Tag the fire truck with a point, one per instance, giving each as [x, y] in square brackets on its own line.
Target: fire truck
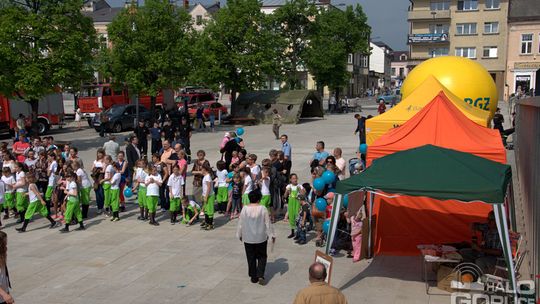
[50, 112]
[95, 97]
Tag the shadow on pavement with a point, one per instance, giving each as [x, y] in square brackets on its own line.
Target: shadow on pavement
[404, 268]
[280, 266]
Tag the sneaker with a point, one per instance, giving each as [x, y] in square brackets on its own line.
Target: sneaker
[163, 210]
[107, 214]
[155, 224]
[209, 227]
[262, 281]
[64, 230]
[254, 280]
[173, 222]
[80, 228]
[140, 218]
[20, 229]
[100, 211]
[301, 242]
[115, 219]
[53, 225]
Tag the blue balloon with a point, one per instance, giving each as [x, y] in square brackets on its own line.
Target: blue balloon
[329, 177]
[230, 175]
[238, 139]
[240, 131]
[319, 184]
[363, 148]
[320, 203]
[127, 192]
[326, 226]
[345, 200]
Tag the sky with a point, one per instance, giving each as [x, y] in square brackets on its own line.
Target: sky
[387, 18]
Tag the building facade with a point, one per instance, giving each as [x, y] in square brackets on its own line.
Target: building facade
[476, 29]
[523, 62]
[399, 68]
[380, 65]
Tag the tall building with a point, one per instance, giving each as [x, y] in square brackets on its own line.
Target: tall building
[476, 29]
[523, 63]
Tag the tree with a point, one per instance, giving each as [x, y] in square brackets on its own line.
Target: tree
[150, 48]
[336, 34]
[294, 24]
[45, 45]
[238, 48]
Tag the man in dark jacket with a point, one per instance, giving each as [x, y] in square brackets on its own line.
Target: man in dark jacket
[133, 154]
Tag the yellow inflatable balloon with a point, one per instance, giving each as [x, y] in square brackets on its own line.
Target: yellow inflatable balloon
[466, 78]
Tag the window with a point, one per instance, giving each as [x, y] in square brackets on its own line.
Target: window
[198, 19]
[403, 57]
[526, 43]
[401, 72]
[437, 52]
[393, 71]
[365, 60]
[466, 29]
[439, 28]
[493, 4]
[440, 5]
[467, 52]
[491, 27]
[490, 52]
[467, 5]
[350, 59]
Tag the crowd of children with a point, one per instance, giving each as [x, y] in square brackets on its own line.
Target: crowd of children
[57, 187]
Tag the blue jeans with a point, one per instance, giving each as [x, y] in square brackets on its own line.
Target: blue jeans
[100, 197]
[301, 233]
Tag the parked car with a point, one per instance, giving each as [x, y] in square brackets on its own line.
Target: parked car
[214, 107]
[121, 117]
[194, 98]
[390, 96]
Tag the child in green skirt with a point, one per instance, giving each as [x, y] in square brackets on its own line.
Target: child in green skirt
[115, 192]
[9, 182]
[21, 188]
[293, 204]
[52, 171]
[175, 192]
[106, 182]
[73, 207]
[221, 183]
[264, 185]
[153, 182]
[37, 205]
[208, 198]
[86, 187]
[190, 211]
[140, 187]
[248, 184]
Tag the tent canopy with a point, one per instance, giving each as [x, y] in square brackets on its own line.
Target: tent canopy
[442, 124]
[415, 102]
[434, 172]
[291, 105]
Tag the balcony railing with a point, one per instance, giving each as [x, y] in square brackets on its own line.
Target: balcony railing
[428, 38]
[428, 14]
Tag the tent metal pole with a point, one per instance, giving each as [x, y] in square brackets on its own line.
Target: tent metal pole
[504, 236]
[371, 199]
[333, 221]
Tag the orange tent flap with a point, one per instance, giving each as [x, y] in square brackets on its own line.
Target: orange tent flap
[404, 222]
[442, 124]
[414, 103]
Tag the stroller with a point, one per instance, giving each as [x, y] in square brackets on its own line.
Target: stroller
[356, 166]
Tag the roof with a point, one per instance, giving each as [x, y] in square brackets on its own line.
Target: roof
[397, 55]
[210, 9]
[106, 14]
[434, 172]
[524, 10]
[382, 45]
[276, 3]
[455, 132]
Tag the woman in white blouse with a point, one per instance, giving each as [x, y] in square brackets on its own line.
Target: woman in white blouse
[254, 229]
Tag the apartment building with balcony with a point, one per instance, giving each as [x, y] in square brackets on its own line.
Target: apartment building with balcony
[476, 29]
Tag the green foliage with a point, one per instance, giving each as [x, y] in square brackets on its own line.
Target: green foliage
[151, 47]
[336, 34]
[44, 44]
[293, 24]
[238, 48]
